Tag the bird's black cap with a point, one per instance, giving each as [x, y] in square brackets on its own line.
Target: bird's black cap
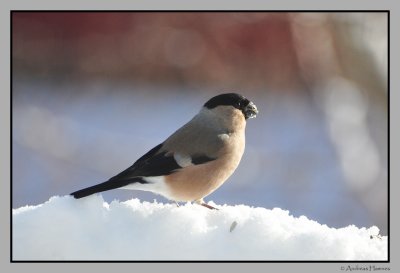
[238, 101]
[233, 99]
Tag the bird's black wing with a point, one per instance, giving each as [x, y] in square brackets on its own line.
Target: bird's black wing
[153, 163]
[156, 163]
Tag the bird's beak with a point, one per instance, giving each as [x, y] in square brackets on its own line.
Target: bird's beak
[250, 111]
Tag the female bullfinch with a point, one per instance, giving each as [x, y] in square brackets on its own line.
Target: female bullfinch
[195, 160]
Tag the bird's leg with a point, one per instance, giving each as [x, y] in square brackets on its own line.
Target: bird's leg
[208, 206]
[204, 204]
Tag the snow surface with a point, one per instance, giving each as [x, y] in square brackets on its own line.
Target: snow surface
[90, 229]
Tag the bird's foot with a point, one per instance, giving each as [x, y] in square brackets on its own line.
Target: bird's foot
[208, 206]
[200, 202]
[204, 204]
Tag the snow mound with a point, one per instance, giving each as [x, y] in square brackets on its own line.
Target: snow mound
[90, 229]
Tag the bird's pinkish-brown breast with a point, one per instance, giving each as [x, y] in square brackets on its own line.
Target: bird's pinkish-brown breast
[198, 181]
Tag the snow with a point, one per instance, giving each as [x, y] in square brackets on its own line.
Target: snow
[91, 229]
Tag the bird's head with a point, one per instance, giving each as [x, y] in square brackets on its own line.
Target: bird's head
[237, 101]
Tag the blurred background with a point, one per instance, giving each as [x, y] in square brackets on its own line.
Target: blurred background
[92, 92]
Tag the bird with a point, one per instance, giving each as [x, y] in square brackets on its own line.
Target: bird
[195, 160]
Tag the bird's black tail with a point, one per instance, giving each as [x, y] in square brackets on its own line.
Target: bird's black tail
[105, 186]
